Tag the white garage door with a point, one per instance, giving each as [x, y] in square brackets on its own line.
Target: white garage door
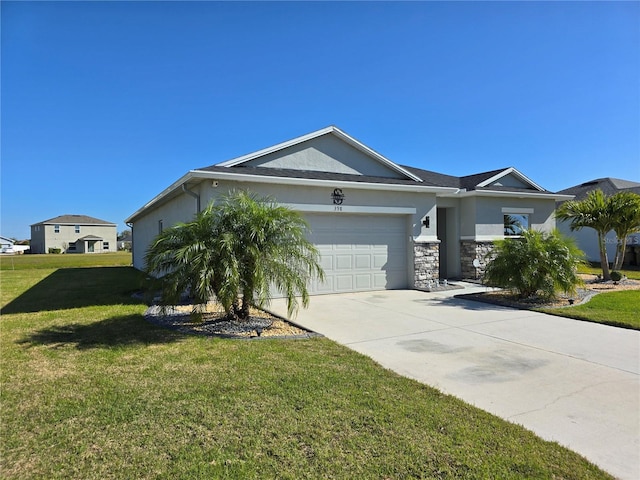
[360, 252]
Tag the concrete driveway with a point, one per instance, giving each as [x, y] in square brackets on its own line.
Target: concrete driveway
[573, 382]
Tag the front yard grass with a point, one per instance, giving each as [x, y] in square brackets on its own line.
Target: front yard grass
[614, 308]
[91, 390]
[594, 269]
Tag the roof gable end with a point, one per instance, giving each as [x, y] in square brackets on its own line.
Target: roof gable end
[510, 177]
[329, 150]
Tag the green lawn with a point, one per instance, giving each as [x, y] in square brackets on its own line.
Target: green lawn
[595, 269]
[22, 262]
[614, 308]
[91, 390]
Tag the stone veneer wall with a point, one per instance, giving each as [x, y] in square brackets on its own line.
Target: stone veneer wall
[426, 264]
[469, 251]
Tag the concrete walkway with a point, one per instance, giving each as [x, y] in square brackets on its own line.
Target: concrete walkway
[573, 382]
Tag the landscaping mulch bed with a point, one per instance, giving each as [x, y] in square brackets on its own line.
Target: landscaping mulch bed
[583, 294]
[260, 324]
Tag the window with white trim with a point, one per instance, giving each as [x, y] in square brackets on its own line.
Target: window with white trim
[77, 228]
[56, 229]
[105, 245]
[515, 224]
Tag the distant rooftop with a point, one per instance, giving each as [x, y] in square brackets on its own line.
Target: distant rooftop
[69, 219]
[608, 185]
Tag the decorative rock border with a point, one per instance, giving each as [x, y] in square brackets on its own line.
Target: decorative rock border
[256, 328]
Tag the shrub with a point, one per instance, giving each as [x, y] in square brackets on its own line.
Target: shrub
[538, 263]
[54, 250]
[616, 276]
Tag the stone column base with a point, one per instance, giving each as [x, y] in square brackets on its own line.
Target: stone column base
[426, 264]
[471, 250]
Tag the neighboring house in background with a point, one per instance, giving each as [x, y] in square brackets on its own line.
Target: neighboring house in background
[124, 241]
[6, 245]
[587, 238]
[74, 234]
[377, 224]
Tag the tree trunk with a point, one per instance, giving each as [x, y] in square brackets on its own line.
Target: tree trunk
[604, 261]
[621, 246]
[247, 302]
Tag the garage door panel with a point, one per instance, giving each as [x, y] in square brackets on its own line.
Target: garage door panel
[323, 287]
[363, 282]
[380, 281]
[343, 262]
[360, 252]
[326, 261]
[363, 261]
[379, 261]
[344, 283]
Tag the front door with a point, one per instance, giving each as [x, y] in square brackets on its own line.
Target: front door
[91, 246]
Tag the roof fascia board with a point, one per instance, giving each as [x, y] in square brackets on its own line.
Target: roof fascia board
[274, 148]
[242, 177]
[170, 189]
[318, 133]
[495, 193]
[86, 224]
[506, 172]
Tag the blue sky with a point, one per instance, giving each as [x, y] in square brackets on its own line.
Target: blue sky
[105, 104]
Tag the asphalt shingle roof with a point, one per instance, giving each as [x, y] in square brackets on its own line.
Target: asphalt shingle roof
[609, 186]
[429, 178]
[74, 220]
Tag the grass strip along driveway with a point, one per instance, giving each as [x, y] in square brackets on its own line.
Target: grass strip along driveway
[91, 390]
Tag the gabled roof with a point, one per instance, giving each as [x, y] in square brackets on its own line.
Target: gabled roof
[478, 181]
[250, 168]
[330, 130]
[74, 220]
[90, 237]
[6, 240]
[608, 185]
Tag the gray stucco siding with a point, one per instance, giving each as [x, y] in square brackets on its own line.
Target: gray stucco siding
[305, 198]
[145, 229]
[489, 219]
[325, 154]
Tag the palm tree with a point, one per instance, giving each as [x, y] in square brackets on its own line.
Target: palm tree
[240, 245]
[625, 207]
[592, 212]
[538, 263]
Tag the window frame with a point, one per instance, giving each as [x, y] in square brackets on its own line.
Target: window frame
[518, 226]
[515, 212]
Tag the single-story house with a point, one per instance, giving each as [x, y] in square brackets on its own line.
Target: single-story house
[74, 234]
[124, 241]
[378, 225]
[587, 238]
[6, 245]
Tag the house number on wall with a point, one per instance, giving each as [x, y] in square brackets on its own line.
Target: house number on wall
[338, 198]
